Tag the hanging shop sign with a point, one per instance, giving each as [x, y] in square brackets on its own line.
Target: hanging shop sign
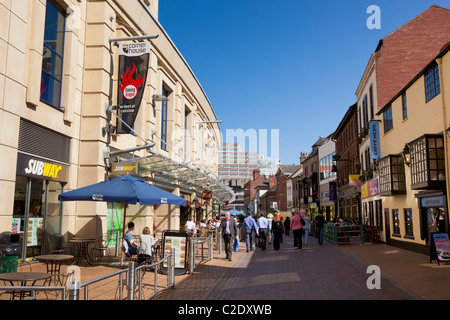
[36, 167]
[353, 180]
[206, 195]
[133, 67]
[374, 131]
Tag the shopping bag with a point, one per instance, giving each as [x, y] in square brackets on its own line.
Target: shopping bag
[235, 245]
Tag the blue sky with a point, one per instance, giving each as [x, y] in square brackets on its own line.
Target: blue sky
[291, 65]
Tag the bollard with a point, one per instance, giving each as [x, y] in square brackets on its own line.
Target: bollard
[131, 280]
[74, 290]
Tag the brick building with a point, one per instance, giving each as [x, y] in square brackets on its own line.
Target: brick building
[347, 163]
[397, 60]
[284, 171]
[250, 192]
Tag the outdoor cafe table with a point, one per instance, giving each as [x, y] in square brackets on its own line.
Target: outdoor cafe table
[53, 262]
[82, 250]
[23, 278]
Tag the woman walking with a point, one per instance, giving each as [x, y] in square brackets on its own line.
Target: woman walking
[277, 229]
[297, 230]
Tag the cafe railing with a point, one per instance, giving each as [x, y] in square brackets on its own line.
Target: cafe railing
[134, 280]
[339, 233]
[198, 253]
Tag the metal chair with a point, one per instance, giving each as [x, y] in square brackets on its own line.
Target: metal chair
[56, 245]
[99, 250]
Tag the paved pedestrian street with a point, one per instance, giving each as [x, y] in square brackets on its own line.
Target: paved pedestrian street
[315, 273]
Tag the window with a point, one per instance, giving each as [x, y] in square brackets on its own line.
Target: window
[391, 175]
[408, 223]
[396, 222]
[365, 115]
[388, 121]
[52, 57]
[432, 84]
[404, 107]
[427, 162]
[164, 107]
[367, 156]
[371, 101]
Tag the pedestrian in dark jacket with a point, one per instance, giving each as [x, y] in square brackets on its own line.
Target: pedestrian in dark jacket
[277, 230]
[287, 226]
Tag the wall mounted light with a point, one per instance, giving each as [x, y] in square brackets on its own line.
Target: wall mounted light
[406, 155]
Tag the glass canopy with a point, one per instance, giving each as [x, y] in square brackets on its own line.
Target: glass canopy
[186, 176]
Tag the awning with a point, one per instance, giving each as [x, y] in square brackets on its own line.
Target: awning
[172, 172]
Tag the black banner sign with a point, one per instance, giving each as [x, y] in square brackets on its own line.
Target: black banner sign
[133, 67]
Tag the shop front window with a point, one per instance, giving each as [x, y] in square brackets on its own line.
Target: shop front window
[436, 221]
[396, 222]
[409, 232]
[36, 214]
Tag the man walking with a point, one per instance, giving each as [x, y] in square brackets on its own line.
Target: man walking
[228, 229]
[263, 225]
[320, 221]
[250, 228]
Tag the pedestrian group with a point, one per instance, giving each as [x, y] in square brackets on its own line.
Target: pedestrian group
[264, 231]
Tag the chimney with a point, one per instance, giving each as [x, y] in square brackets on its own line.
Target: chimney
[271, 181]
[255, 174]
[303, 156]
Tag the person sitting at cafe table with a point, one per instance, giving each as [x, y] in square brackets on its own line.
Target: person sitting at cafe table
[128, 238]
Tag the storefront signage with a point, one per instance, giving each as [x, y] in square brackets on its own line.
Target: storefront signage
[432, 202]
[123, 168]
[42, 169]
[353, 180]
[133, 67]
[369, 189]
[374, 139]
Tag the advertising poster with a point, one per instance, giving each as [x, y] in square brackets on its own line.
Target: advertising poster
[35, 226]
[133, 67]
[442, 245]
[16, 225]
[113, 223]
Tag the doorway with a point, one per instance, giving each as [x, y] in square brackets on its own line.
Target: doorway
[36, 214]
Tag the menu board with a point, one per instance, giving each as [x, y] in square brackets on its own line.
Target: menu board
[442, 246]
[35, 226]
[178, 242]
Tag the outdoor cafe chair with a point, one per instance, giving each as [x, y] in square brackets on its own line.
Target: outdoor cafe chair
[100, 249]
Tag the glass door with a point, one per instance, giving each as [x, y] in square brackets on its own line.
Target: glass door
[37, 212]
[436, 221]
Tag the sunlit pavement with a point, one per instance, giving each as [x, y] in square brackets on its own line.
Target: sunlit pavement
[315, 273]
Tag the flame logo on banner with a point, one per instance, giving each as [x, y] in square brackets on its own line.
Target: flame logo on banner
[129, 86]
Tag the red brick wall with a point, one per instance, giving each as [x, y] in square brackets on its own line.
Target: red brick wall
[407, 50]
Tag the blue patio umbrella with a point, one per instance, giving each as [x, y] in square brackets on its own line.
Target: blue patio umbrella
[234, 212]
[125, 189]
